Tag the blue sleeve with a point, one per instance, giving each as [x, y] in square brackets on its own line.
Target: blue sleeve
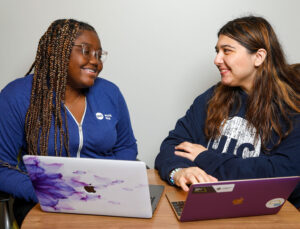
[189, 128]
[11, 140]
[125, 147]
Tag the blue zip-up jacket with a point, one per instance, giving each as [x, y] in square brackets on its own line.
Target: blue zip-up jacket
[104, 132]
[235, 154]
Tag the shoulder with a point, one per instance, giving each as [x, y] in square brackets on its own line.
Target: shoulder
[18, 89]
[296, 121]
[203, 98]
[105, 86]
[199, 106]
[15, 100]
[105, 92]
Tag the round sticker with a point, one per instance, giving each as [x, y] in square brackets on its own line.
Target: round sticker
[274, 203]
[99, 116]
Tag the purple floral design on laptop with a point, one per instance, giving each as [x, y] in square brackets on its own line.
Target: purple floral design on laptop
[53, 189]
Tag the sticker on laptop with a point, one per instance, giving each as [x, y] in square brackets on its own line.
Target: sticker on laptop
[274, 203]
[208, 189]
[214, 188]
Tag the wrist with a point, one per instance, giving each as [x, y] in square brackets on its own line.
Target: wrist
[172, 174]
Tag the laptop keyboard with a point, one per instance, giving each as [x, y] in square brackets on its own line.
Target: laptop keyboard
[178, 206]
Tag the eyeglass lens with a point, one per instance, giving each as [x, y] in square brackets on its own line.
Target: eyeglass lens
[98, 54]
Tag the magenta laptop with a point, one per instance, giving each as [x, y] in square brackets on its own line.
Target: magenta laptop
[234, 198]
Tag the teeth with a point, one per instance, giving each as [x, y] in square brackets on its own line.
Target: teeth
[90, 70]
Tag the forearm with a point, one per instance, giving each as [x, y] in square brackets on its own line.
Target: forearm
[16, 184]
[166, 161]
[226, 166]
[126, 152]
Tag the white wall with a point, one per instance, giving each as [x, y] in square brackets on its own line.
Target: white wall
[160, 51]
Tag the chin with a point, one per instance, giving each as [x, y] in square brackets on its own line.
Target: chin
[90, 82]
[226, 81]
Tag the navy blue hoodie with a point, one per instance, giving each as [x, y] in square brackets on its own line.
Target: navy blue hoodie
[235, 154]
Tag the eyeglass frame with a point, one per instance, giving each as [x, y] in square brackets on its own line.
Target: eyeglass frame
[93, 52]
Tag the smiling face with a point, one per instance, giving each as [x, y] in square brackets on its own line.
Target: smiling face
[236, 65]
[83, 70]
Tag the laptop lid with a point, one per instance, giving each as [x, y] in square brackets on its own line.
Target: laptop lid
[91, 186]
[233, 198]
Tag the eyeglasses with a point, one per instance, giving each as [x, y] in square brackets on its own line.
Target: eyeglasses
[87, 51]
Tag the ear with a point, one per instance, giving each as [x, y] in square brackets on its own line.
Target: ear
[260, 57]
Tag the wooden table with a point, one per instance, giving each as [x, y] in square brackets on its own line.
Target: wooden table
[288, 217]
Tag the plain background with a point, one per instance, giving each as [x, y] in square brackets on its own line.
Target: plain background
[161, 52]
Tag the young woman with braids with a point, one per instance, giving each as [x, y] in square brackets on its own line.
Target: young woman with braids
[62, 109]
[246, 126]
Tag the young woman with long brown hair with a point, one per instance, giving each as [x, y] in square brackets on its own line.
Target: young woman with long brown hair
[246, 126]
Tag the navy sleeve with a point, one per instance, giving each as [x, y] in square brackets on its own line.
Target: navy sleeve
[283, 160]
[189, 128]
[11, 140]
[125, 147]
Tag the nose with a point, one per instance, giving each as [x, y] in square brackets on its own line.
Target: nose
[218, 59]
[93, 59]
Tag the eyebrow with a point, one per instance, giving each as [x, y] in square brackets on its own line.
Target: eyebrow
[88, 44]
[225, 46]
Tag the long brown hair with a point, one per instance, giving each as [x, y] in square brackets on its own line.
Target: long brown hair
[48, 86]
[275, 93]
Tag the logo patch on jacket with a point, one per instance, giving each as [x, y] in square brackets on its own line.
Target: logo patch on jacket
[100, 116]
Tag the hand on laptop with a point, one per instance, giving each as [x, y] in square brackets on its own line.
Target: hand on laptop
[192, 175]
[189, 150]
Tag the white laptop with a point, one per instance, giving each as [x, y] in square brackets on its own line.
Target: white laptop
[92, 186]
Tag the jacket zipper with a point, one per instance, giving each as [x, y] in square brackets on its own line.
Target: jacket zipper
[80, 132]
